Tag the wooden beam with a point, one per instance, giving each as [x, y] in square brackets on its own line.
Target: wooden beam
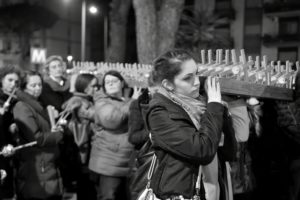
[241, 88]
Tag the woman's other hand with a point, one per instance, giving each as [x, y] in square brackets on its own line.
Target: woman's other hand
[213, 89]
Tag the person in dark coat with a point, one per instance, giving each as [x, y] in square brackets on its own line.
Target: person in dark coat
[185, 131]
[55, 86]
[56, 91]
[37, 173]
[138, 135]
[9, 80]
[289, 122]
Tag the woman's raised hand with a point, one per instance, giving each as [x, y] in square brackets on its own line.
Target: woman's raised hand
[136, 92]
[213, 89]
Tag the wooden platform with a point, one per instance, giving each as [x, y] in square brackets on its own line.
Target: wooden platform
[241, 88]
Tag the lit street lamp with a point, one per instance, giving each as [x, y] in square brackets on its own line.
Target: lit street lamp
[83, 29]
[93, 10]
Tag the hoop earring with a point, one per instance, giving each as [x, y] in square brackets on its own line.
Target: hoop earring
[170, 90]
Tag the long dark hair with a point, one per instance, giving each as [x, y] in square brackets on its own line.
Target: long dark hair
[8, 69]
[82, 81]
[168, 65]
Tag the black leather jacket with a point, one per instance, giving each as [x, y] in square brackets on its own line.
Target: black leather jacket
[180, 148]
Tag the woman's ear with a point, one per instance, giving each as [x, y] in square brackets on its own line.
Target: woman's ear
[167, 85]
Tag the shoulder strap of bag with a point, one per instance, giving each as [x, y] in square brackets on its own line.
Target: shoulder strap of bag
[151, 170]
[198, 183]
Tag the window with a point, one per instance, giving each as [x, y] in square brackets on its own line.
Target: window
[290, 54]
[288, 26]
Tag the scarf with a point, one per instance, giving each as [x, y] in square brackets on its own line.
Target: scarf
[195, 108]
[33, 103]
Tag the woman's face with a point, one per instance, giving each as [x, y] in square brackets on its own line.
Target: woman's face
[113, 85]
[9, 82]
[34, 86]
[92, 87]
[56, 69]
[187, 82]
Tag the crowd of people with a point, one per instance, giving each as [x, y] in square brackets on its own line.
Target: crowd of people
[204, 144]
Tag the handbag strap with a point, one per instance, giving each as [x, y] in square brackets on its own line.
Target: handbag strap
[197, 195]
[152, 166]
[198, 183]
[151, 170]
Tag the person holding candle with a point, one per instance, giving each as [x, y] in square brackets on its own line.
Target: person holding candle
[56, 91]
[37, 173]
[9, 81]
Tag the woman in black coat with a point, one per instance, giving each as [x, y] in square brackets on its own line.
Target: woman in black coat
[185, 129]
[9, 77]
[56, 88]
[56, 91]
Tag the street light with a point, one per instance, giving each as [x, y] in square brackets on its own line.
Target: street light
[69, 58]
[93, 10]
[83, 29]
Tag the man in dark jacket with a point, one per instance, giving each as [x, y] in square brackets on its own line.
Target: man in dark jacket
[289, 121]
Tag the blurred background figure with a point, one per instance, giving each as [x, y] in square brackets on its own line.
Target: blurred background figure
[138, 135]
[289, 121]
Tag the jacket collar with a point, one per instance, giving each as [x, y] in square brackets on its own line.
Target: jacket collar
[33, 103]
[161, 100]
[83, 95]
[55, 86]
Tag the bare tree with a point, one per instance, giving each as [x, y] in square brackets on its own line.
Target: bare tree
[199, 28]
[156, 26]
[118, 20]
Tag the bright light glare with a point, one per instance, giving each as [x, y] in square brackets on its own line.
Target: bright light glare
[93, 9]
[69, 58]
